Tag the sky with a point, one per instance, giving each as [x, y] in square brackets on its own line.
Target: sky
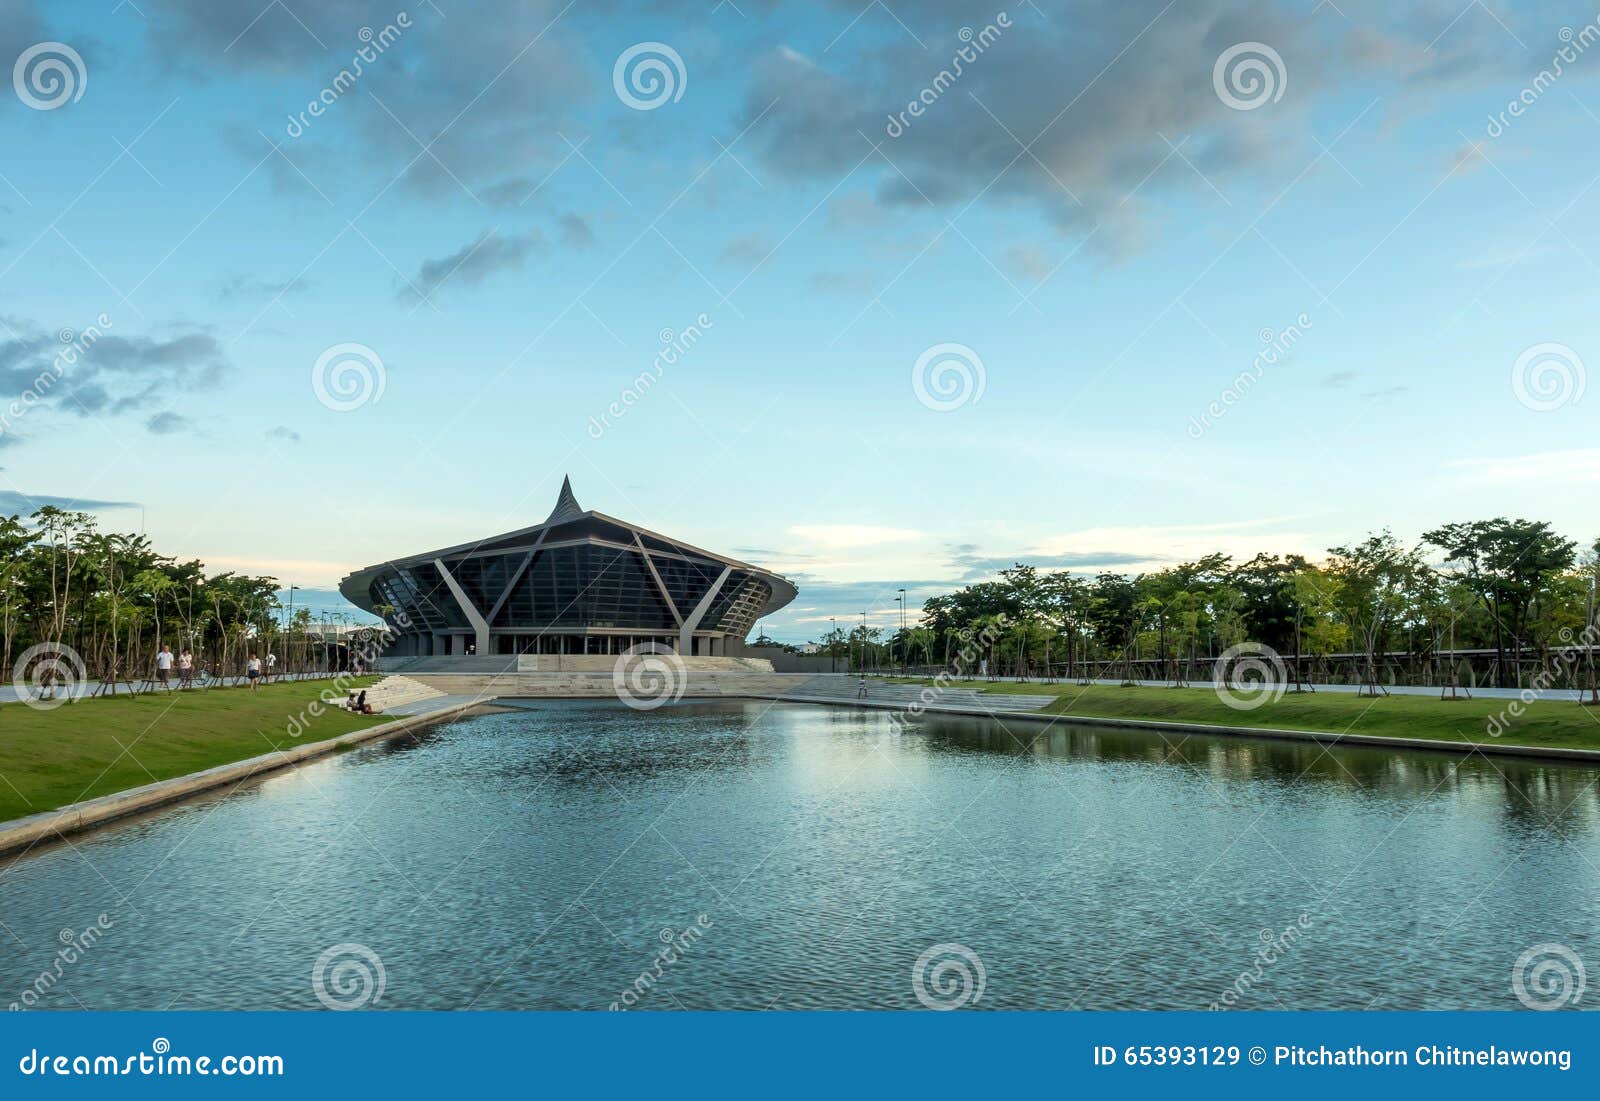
[1130, 283]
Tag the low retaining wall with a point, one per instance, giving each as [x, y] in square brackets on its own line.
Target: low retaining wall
[52, 824]
[1582, 756]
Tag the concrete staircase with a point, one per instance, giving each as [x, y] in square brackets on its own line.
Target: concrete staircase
[697, 684]
[395, 691]
[700, 683]
[490, 663]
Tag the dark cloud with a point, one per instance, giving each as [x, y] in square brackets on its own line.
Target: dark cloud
[15, 503]
[284, 432]
[168, 423]
[1098, 94]
[94, 373]
[488, 93]
[474, 262]
[1340, 379]
[576, 231]
[851, 284]
[238, 287]
[745, 251]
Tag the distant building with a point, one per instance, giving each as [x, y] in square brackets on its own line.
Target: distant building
[581, 582]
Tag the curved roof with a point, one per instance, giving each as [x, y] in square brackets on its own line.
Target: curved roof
[355, 586]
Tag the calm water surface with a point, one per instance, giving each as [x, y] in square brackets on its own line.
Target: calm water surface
[532, 859]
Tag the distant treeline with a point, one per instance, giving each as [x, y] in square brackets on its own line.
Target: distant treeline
[114, 601]
[1513, 587]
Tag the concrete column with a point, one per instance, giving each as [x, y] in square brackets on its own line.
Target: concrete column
[686, 635]
[480, 626]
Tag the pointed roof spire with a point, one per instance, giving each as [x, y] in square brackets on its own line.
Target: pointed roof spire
[567, 507]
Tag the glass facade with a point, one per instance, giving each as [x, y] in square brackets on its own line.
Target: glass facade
[579, 583]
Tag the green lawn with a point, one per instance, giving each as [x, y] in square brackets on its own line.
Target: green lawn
[1559, 724]
[49, 759]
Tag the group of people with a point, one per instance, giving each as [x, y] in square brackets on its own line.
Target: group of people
[166, 661]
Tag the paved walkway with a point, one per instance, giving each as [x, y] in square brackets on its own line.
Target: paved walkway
[1486, 693]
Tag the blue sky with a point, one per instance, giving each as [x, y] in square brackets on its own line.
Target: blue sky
[1080, 209]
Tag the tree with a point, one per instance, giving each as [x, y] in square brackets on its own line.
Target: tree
[1376, 577]
[1508, 564]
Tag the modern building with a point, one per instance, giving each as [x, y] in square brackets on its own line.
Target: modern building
[581, 582]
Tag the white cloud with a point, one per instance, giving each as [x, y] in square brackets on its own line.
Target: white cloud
[1548, 467]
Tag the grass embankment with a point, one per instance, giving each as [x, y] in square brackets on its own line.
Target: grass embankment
[1557, 724]
[92, 747]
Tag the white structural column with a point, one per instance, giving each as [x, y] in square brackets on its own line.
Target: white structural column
[479, 625]
[686, 635]
[661, 586]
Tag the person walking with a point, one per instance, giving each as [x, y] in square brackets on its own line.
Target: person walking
[252, 670]
[185, 668]
[861, 692]
[164, 667]
[272, 663]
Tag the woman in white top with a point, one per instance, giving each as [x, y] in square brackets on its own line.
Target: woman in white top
[252, 669]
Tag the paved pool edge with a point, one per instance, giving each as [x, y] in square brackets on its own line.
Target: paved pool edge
[52, 825]
[1582, 756]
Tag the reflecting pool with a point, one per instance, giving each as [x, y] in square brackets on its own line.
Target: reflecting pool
[744, 855]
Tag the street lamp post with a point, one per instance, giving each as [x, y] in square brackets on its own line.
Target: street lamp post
[288, 657]
[833, 644]
[863, 642]
[904, 655]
